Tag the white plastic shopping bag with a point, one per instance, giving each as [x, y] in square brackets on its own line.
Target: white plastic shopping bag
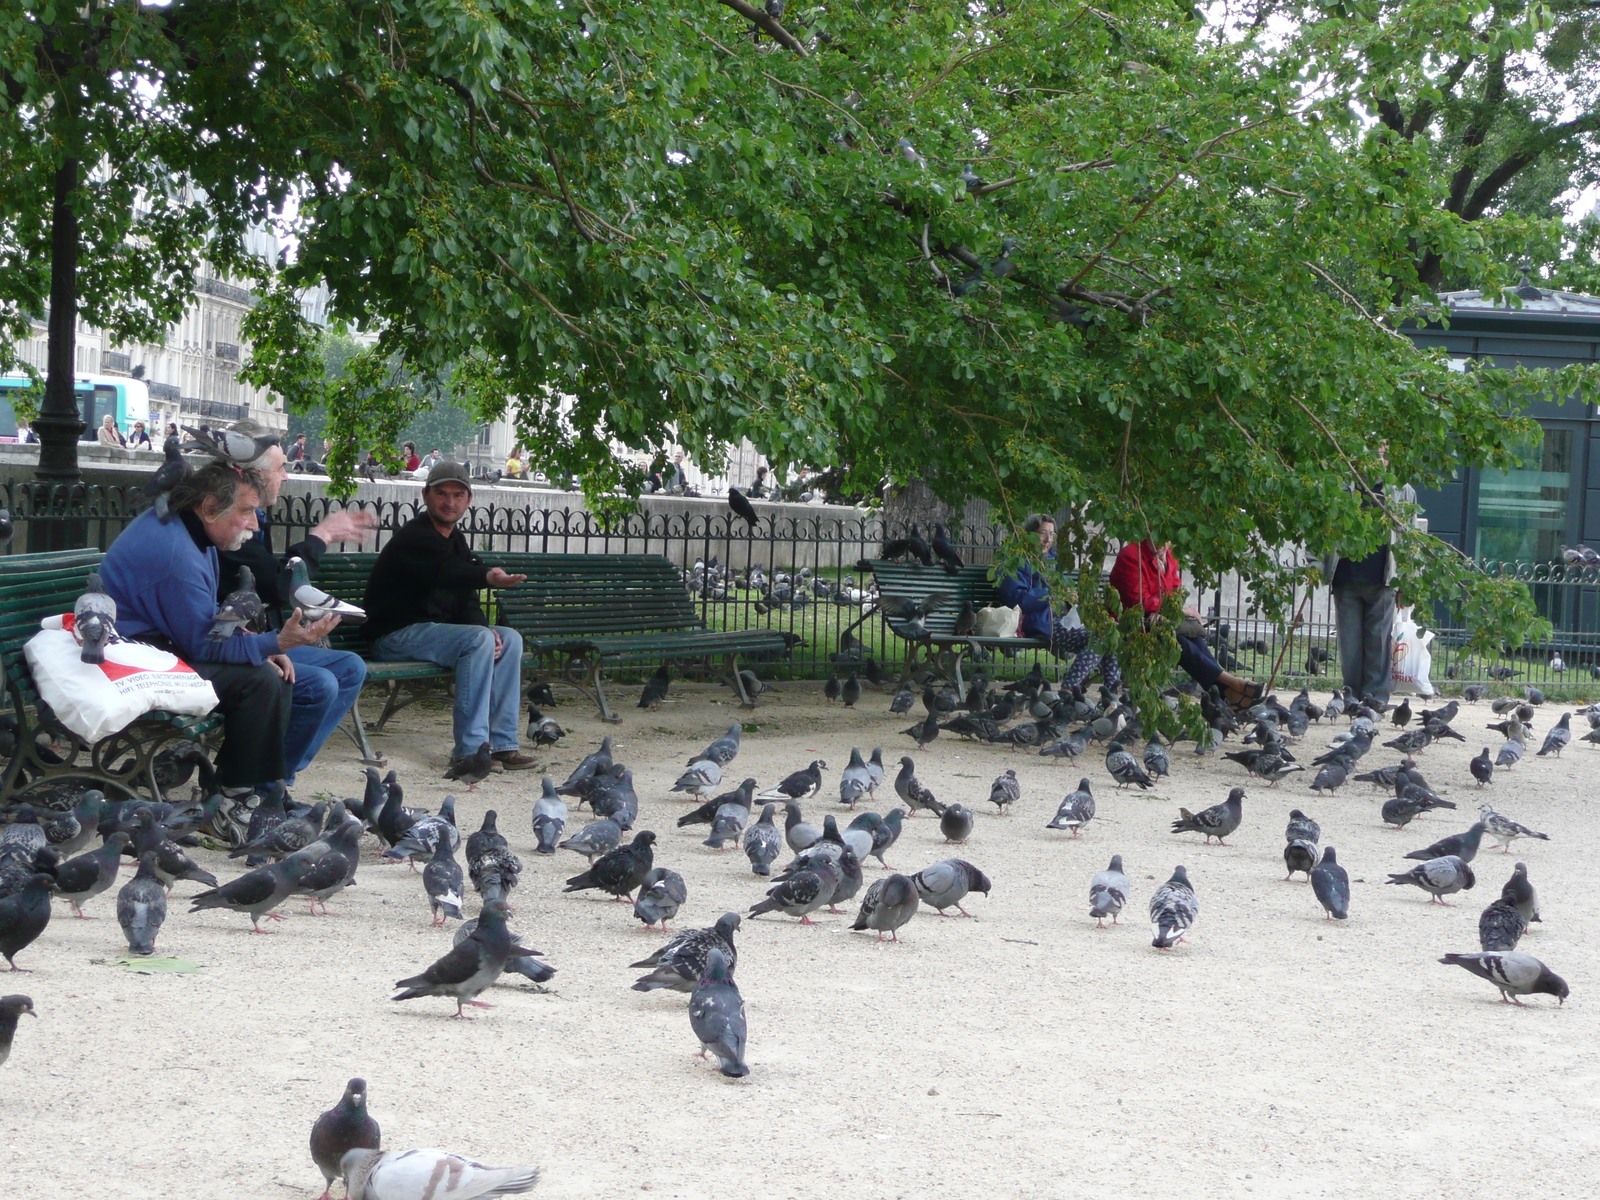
[998, 621]
[95, 700]
[1412, 660]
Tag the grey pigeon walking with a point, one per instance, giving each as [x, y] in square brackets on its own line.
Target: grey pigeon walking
[947, 883]
[470, 967]
[797, 831]
[1300, 855]
[1218, 821]
[1173, 910]
[1125, 769]
[81, 879]
[1501, 926]
[142, 906]
[24, 916]
[1330, 883]
[1520, 891]
[1513, 973]
[910, 789]
[716, 1014]
[550, 818]
[661, 893]
[595, 839]
[1482, 768]
[1005, 791]
[1462, 845]
[855, 781]
[1558, 738]
[724, 749]
[762, 842]
[1302, 828]
[681, 963]
[1108, 893]
[472, 769]
[888, 905]
[1439, 877]
[956, 824]
[1076, 810]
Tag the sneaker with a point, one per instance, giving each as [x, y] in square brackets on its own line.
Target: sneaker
[513, 760]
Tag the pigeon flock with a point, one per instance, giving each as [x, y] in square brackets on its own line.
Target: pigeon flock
[815, 841]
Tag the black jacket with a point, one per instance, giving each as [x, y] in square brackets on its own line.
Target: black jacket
[423, 576]
[271, 572]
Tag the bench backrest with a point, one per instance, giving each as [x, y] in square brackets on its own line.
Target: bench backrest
[910, 580]
[595, 594]
[564, 594]
[34, 586]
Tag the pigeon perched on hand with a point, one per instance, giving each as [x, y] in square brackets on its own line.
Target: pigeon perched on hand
[345, 1127]
[314, 603]
[1108, 892]
[1173, 910]
[1218, 821]
[1513, 973]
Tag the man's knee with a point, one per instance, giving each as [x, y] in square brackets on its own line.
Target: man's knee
[315, 688]
[511, 640]
[351, 671]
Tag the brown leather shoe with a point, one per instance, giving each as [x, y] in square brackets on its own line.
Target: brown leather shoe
[513, 760]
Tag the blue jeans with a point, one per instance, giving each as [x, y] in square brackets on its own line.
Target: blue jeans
[488, 691]
[1195, 657]
[326, 684]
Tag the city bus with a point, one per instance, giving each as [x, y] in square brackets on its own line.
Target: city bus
[127, 400]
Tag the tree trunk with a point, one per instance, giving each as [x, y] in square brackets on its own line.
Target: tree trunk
[60, 421]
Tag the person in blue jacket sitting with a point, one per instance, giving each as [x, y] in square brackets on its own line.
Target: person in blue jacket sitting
[1028, 591]
[163, 576]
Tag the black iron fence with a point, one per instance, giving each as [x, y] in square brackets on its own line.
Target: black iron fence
[826, 546]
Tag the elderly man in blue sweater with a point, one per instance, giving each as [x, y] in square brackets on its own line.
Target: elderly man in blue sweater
[163, 576]
[1029, 591]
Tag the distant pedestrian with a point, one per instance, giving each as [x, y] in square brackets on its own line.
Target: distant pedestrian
[1364, 601]
[138, 439]
[108, 434]
[409, 453]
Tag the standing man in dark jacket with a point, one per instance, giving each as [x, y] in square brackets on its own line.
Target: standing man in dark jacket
[422, 604]
[326, 682]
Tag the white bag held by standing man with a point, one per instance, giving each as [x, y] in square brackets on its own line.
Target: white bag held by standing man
[1411, 658]
[95, 700]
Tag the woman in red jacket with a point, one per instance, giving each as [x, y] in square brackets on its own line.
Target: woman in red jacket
[1144, 575]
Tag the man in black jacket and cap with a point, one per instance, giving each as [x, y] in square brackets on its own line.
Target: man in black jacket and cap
[422, 604]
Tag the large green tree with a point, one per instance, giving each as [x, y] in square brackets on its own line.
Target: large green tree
[1045, 254]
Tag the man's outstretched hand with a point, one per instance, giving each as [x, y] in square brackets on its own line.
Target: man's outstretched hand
[498, 578]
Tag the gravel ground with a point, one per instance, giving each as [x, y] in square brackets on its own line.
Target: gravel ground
[1020, 1053]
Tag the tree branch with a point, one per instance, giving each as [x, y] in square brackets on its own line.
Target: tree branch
[1359, 307]
[1483, 195]
[778, 33]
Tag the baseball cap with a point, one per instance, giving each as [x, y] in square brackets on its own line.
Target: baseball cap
[446, 471]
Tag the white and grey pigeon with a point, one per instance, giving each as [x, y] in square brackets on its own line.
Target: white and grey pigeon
[1155, 759]
[1302, 828]
[428, 1175]
[1510, 754]
[875, 769]
[314, 603]
[855, 781]
[1173, 910]
[549, 817]
[1513, 972]
[1504, 830]
[1076, 810]
[1108, 892]
[229, 445]
[94, 621]
[701, 779]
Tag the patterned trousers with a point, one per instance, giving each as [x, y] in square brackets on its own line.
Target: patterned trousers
[1065, 642]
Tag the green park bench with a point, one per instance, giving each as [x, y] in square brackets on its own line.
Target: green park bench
[593, 610]
[908, 580]
[46, 753]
